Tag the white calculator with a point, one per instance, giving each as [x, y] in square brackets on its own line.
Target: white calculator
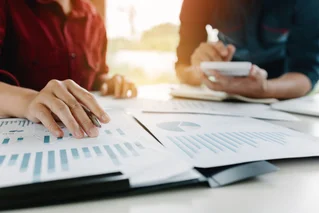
[236, 69]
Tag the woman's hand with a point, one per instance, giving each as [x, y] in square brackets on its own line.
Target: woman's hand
[119, 86]
[254, 86]
[62, 100]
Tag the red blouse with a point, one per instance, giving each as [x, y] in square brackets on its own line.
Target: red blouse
[38, 42]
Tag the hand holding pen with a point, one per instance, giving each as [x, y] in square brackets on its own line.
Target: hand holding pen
[92, 117]
[65, 100]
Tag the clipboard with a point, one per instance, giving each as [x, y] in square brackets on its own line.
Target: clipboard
[117, 184]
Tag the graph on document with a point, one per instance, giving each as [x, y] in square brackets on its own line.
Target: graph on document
[58, 161]
[210, 141]
[18, 130]
[218, 143]
[30, 153]
[215, 143]
[14, 130]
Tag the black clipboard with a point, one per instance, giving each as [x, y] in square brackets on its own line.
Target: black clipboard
[117, 184]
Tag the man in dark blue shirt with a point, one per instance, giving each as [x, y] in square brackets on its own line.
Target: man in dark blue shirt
[281, 37]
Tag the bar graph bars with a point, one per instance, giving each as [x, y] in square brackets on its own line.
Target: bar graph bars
[118, 131]
[53, 161]
[131, 148]
[86, 152]
[139, 145]
[119, 148]
[232, 142]
[37, 166]
[6, 141]
[108, 132]
[97, 151]
[25, 162]
[22, 123]
[13, 131]
[64, 160]
[112, 155]
[75, 153]
[46, 139]
[13, 160]
[2, 158]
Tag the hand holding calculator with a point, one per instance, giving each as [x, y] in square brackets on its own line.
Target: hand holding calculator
[235, 69]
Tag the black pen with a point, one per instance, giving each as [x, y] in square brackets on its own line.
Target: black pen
[92, 117]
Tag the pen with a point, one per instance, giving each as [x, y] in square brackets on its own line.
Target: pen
[92, 117]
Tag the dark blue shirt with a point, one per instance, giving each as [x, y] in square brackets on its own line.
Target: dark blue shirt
[278, 35]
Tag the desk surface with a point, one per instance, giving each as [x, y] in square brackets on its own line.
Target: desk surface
[295, 188]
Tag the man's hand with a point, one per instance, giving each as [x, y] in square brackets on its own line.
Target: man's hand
[216, 51]
[212, 52]
[254, 86]
[62, 100]
[119, 86]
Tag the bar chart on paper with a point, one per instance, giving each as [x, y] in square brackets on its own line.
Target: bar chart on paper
[30, 152]
[122, 146]
[47, 138]
[216, 143]
[210, 141]
[14, 130]
[14, 123]
[43, 134]
[56, 162]
[18, 130]
[118, 131]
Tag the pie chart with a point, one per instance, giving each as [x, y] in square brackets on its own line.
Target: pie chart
[178, 126]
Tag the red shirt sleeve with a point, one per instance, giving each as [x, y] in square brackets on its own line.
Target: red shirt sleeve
[8, 78]
[5, 76]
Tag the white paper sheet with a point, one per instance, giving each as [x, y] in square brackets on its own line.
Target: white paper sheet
[210, 141]
[204, 93]
[198, 107]
[29, 153]
[308, 105]
[217, 108]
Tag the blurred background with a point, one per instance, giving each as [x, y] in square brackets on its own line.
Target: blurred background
[143, 36]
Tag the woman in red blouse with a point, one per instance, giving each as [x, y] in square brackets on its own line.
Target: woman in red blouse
[42, 40]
